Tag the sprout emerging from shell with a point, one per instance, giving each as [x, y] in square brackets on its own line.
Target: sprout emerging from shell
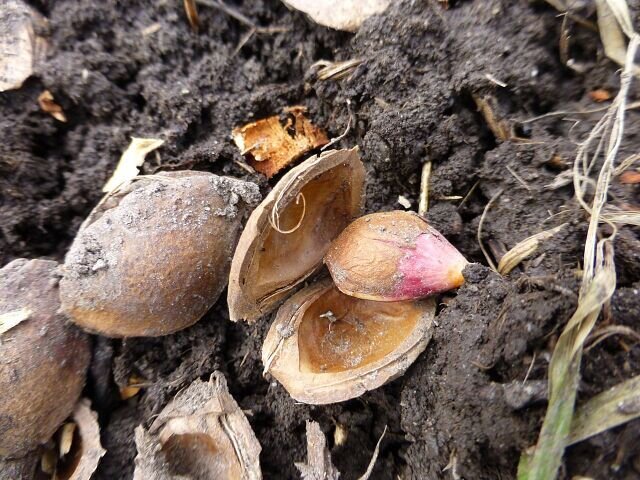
[327, 347]
[202, 433]
[154, 257]
[287, 235]
[43, 359]
[392, 256]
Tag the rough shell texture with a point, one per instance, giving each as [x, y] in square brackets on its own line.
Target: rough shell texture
[43, 360]
[340, 14]
[21, 48]
[324, 194]
[158, 258]
[391, 256]
[202, 433]
[327, 347]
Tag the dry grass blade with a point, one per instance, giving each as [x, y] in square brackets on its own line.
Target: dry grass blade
[423, 204]
[336, 70]
[11, 319]
[524, 249]
[611, 34]
[602, 334]
[480, 224]
[622, 217]
[618, 405]
[598, 285]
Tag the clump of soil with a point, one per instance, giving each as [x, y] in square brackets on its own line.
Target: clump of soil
[410, 100]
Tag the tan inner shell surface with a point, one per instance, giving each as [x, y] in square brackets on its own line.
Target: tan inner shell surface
[197, 455]
[288, 257]
[339, 332]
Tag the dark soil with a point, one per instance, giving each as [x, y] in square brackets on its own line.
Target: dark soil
[412, 100]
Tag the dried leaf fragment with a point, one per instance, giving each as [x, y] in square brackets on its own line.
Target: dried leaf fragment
[20, 46]
[201, 433]
[271, 145]
[48, 105]
[345, 15]
[130, 161]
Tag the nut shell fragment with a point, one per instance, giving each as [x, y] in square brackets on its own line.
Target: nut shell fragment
[43, 359]
[327, 347]
[153, 258]
[271, 146]
[21, 47]
[288, 233]
[202, 433]
[84, 451]
[391, 256]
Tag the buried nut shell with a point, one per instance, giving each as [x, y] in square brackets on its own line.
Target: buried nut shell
[43, 359]
[153, 258]
[201, 434]
[287, 235]
[391, 256]
[326, 347]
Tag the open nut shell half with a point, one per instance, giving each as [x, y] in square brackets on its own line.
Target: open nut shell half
[327, 347]
[287, 235]
[202, 433]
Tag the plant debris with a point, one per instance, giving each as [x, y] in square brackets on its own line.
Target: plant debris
[48, 105]
[524, 249]
[271, 145]
[192, 14]
[130, 161]
[618, 405]
[345, 15]
[202, 433]
[21, 48]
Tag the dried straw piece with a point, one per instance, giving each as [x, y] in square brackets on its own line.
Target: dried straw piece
[130, 161]
[524, 249]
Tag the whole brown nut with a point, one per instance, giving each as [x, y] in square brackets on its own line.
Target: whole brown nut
[43, 358]
[153, 258]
